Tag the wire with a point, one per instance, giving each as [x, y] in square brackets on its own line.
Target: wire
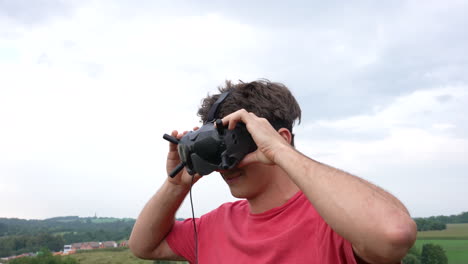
[194, 225]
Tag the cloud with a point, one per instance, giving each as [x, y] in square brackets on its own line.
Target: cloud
[84, 109]
[422, 144]
[88, 89]
[31, 13]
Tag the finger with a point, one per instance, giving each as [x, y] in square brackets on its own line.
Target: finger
[232, 119]
[172, 146]
[180, 135]
[195, 128]
[235, 118]
[248, 159]
[196, 177]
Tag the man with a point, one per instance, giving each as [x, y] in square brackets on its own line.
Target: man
[296, 210]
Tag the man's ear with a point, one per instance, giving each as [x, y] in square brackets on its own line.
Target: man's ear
[286, 134]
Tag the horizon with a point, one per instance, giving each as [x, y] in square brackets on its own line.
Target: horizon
[111, 217]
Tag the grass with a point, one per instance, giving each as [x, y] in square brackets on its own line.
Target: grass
[454, 240]
[453, 231]
[108, 257]
[456, 250]
[111, 256]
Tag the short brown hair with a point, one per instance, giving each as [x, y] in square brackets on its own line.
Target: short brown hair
[266, 99]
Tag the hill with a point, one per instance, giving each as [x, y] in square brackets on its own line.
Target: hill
[70, 224]
[20, 236]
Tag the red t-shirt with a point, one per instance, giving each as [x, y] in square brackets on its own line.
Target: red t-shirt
[291, 233]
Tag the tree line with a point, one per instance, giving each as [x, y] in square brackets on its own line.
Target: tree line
[16, 245]
[451, 219]
[426, 224]
[19, 236]
[15, 226]
[440, 222]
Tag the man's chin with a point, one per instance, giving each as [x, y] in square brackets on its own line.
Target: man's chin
[237, 195]
[240, 194]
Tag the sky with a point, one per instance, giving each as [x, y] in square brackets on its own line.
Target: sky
[88, 88]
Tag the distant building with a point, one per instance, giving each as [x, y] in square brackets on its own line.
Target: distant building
[85, 246]
[76, 246]
[67, 248]
[108, 244]
[90, 245]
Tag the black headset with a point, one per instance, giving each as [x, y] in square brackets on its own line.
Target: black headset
[211, 147]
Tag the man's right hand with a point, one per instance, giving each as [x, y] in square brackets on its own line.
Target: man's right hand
[183, 178]
[155, 221]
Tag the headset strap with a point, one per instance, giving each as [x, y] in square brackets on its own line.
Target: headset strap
[214, 108]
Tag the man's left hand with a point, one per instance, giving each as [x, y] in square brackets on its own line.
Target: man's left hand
[269, 141]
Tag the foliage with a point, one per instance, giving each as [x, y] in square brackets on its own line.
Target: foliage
[15, 245]
[19, 236]
[68, 224]
[411, 259]
[413, 256]
[429, 224]
[415, 251]
[439, 222]
[44, 257]
[452, 219]
[455, 249]
[433, 254]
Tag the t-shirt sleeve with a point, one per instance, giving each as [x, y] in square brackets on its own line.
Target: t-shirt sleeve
[335, 248]
[181, 238]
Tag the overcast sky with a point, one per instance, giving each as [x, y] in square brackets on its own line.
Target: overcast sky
[88, 88]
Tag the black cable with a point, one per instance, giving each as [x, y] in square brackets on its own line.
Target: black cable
[194, 225]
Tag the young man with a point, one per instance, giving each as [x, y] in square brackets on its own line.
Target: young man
[296, 210]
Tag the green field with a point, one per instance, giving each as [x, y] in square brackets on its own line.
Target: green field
[117, 256]
[453, 231]
[108, 257]
[456, 250]
[454, 240]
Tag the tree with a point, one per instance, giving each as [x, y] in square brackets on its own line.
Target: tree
[3, 229]
[19, 236]
[425, 224]
[411, 259]
[433, 254]
[413, 256]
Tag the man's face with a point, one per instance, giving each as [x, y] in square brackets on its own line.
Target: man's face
[249, 181]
